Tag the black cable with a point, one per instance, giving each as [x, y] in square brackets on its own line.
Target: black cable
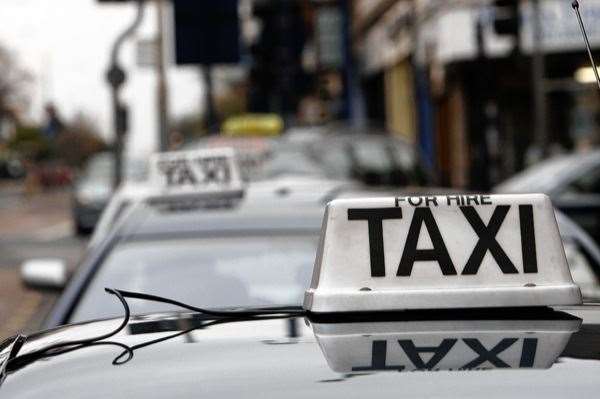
[265, 311]
[75, 344]
[133, 348]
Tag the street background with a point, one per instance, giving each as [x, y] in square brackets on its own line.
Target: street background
[32, 226]
[478, 90]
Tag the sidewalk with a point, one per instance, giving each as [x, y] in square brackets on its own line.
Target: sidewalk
[22, 216]
[37, 225]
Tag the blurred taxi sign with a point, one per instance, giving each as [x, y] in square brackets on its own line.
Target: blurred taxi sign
[251, 152]
[458, 345]
[434, 252]
[212, 172]
[253, 125]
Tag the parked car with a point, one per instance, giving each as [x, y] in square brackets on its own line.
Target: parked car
[94, 188]
[573, 183]
[374, 159]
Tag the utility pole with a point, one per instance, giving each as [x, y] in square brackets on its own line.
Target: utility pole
[538, 72]
[161, 90]
[211, 115]
[116, 77]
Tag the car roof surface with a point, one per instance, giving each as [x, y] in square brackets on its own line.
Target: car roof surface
[259, 359]
[288, 203]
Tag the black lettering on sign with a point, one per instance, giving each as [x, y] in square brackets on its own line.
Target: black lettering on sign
[528, 352]
[177, 171]
[450, 198]
[415, 201]
[412, 254]
[413, 352]
[461, 200]
[432, 200]
[215, 170]
[528, 247]
[487, 240]
[488, 355]
[375, 218]
[378, 359]
[472, 198]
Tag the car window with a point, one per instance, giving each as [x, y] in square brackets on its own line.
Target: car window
[291, 160]
[100, 167]
[206, 272]
[378, 160]
[372, 155]
[588, 183]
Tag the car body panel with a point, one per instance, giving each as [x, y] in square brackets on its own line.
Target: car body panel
[260, 358]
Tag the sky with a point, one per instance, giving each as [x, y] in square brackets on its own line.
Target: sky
[65, 45]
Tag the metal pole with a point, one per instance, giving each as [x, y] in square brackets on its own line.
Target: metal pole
[211, 115]
[116, 78]
[575, 6]
[163, 121]
[538, 72]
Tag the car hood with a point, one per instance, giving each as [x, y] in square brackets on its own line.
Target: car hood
[291, 358]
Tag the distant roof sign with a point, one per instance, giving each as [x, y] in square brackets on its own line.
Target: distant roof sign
[211, 172]
[436, 252]
[248, 125]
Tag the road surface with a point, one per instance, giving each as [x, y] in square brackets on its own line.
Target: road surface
[31, 226]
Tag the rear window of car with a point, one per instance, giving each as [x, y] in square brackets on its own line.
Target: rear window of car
[207, 272]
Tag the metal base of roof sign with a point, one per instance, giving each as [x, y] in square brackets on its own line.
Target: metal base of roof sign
[368, 301]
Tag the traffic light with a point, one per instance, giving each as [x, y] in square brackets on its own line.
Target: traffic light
[506, 17]
[206, 32]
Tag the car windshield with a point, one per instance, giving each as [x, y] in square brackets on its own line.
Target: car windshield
[207, 272]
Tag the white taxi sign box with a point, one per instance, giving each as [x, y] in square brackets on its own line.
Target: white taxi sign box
[457, 345]
[198, 172]
[440, 252]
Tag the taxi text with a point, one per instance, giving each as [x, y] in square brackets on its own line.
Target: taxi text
[423, 218]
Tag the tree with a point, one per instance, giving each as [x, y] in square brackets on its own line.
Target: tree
[13, 86]
[79, 140]
[29, 143]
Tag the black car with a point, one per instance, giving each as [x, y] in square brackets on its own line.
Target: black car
[543, 353]
[508, 324]
[253, 251]
[94, 187]
[226, 242]
[339, 153]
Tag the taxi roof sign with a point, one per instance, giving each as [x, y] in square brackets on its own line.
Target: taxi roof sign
[210, 172]
[440, 252]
